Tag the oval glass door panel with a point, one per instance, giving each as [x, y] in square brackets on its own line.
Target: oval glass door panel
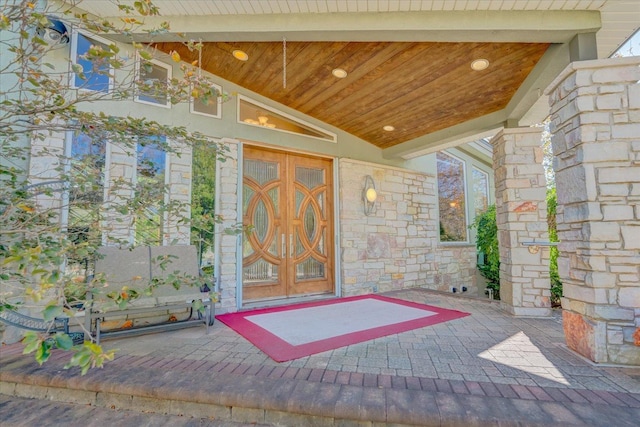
[262, 257]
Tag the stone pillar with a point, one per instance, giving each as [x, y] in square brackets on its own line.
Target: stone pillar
[595, 112]
[226, 244]
[177, 231]
[521, 213]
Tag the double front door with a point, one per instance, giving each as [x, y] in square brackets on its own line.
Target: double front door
[288, 206]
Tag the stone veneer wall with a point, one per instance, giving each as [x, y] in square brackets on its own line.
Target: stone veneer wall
[226, 244]
[396, 247]
[176, 231]
[521, 216]
[595, 111]
[456, 267]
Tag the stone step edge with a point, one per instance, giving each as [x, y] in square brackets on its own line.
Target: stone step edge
[299, 403]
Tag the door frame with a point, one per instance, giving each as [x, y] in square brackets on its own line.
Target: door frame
[336, 220]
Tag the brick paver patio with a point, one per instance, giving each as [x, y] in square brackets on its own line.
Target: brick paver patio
[488, 355]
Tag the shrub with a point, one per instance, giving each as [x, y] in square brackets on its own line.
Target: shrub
[556, 284]
[487, 244]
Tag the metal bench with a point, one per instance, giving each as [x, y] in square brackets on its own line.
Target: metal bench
[95, 319]
[22, 321]
[167, 309]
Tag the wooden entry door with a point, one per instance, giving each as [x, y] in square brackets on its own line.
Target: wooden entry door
[288, 202]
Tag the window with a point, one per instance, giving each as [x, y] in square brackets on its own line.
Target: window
[212, 107]
[86, 193]
[480, 190]
[150, 190]
[152, 79]
[451, 197]
[88, 52]
[253, 113]
[203, 187]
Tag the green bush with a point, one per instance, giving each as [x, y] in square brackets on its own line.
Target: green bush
[556, 284]
[487, 244]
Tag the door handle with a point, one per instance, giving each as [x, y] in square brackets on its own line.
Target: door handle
[290, 245]
[284, 246]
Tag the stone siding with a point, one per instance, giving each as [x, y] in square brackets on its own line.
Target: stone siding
[177, 231]
[396, 247]
[595, 111]
[456, 268]
[227, 244]
[521, 214]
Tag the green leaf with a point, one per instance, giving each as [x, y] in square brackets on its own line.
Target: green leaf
[63, 341]
[198, 306]
[77, 68]
[141, 7]
[31, 342]
[51, 312]
[145, 55]
[43, 352]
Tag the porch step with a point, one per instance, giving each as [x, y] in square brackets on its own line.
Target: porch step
[23, 412]
[222, 397]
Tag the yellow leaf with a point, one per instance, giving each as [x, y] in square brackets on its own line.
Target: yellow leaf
[194, 63]
[31, 5]
[130, 20]
[26, 207]
[195, 93]
[175, 56]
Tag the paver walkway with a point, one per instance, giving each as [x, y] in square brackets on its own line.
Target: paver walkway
[484, 368]
[21, 412]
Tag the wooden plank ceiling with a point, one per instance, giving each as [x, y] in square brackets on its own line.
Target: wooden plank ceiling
[418, 88]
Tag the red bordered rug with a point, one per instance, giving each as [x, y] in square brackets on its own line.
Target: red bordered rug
[294, 331]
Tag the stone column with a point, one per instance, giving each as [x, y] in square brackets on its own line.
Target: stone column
[595, 112]
[176, 230]
[226, 244]
[521, 213]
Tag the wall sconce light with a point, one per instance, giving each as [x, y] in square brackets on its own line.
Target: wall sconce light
[369, 195]
[55, 33]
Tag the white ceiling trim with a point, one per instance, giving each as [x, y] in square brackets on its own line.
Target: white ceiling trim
[620, 18]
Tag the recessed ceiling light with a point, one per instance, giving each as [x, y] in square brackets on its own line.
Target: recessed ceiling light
[388, 128]
[480, 64]
[339, 73]
[240, 54]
